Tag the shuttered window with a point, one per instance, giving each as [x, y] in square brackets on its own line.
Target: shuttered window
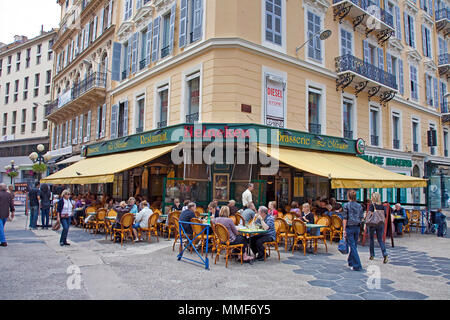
[273, 21]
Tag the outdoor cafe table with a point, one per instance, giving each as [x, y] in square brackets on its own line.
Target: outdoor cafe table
[251, 232]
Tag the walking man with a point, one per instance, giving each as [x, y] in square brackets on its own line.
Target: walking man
[35, 197]
[247, 196]
[6, 206]
[353, 215]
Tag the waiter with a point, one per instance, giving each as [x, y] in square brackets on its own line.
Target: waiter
[247, 196]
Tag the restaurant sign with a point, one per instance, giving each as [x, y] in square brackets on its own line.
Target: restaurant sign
[209, 132]
[386, 161]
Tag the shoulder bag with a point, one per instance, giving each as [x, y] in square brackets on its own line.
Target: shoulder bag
[375, 218]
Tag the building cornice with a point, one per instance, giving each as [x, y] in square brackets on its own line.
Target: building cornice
[29, 43]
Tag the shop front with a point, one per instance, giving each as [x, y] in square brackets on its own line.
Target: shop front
[438, 192]
[205, 162]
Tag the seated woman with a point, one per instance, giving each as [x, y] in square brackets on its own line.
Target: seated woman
[308, 217]
[141, 220]
[235, 237]
[176, 205]
[132, 203]
[272, 209]
[295, 209]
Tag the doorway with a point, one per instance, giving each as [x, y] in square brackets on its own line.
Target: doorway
[282, 189]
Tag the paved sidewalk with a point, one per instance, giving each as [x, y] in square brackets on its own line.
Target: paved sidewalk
[34, 266]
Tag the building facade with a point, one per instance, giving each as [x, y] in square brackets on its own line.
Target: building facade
[26, 69]
[381, 75]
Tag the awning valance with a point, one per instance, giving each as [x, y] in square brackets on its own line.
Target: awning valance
[345, 171]
[102, 169]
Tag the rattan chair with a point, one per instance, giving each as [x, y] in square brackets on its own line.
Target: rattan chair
[289, 216]
[239, 218]
[99, 222]
[176, 214]
[336, 228]
[414, 221]
[325, 221]
[234, 220]
[299, 228]
[274, 244]
[152, 227]
[284, 231]
[406, 226]
[197, 230]
[126, 227]
[223, 243]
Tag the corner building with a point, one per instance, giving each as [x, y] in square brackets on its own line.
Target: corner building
[381, 76]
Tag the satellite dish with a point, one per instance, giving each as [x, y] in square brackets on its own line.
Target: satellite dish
[325, 34]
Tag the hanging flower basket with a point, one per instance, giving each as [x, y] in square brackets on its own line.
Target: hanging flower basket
[12, 174]
[39, 168]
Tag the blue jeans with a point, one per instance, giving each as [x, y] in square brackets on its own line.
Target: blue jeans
[379, 230]
[65, 223]
[2, 230]
[352, 240]
[44, 216]
[34, 212]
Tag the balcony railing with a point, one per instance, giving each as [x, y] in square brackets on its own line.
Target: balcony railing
[162, 124]
[442, 14]
[315, 128]
[352, 64]
[396, 143]
[348, 134]
[142, 64]
[374, 140]
[443, 59]
[415, 147]
[385, 16]
[444, 107]
[191, 118]
[51, 107]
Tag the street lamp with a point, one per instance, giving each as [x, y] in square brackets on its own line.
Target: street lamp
[11, 170]
[40, 158]
[323, 35]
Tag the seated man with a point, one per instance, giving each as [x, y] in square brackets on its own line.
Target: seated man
[399, 222]
[141, 220]
[249, 213]
[233, 208]
[186, 216]
[268, 223]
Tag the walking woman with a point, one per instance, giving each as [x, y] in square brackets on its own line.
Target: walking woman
[352, 217]
[45, 205]
[379, 229]
[65, 211]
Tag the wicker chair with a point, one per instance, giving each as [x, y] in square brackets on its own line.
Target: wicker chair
[406, 226]
[176, 214]
[197, 230]
[126, 227]
[284, 231]
[176, 231]
[234, 220]
[170, 226]
[152, 227]
[223, 243]
[336, 228]
[316, 239]
[99, 222]
[299, 229]
[289, 216]
[414, 221]
[269, 244]
[239, 218]
[325, 221]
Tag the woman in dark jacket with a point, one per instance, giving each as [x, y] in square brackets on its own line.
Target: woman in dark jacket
[379, 230]
[64, 210]
[45, 205]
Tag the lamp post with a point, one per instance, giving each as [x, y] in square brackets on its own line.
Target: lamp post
[11, 170]
[40, 158]
[323, 35]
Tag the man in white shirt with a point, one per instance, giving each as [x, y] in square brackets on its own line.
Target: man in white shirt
[247, 196]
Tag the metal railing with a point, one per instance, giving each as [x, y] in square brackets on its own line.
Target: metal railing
[315, 128]
[348, 134]
[444, 106]
[348, 62]
[374, 140]
[384, 16]
[191, 118]
[396, 143]
[443, 59]
[162, 124]
[442, 14]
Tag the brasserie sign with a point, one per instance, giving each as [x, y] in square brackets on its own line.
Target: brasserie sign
[208, 132]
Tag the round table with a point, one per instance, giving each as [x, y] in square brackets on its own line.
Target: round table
[249, 233]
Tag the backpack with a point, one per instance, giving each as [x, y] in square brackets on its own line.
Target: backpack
[375, 218]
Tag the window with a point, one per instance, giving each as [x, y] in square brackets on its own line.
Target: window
[163, 99]
[427, 6]
[101, 121]
[5, 123]
[143, 62]
[415, 135]
[33, 119]
[1, 65]
[273, 28]
[24, 119]
[16, 90]
[38, 54]
[346, 42]
[410, 38]
[443, 90]
[128, 9]
[429, 89]
[314, 96]
[191, 21]
[348, 118]
[445, 143]
[7, 93]
[27, 60]
[36, 84]
[122, 118]
[193, 85]
[414, 83]
[14, 119]
[25, 88]
[315, 45]
[395, 12]
[374, 126]
[140, 114]
[125, 61]
[426, 42]
[9, 64]
[396, 130]
[165, 44]
[18, 62]
[50, 50]
[48, 81]
[433, 148]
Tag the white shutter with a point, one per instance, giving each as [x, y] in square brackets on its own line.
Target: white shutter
[69, 139]
[100, 26]
[97, 131]
[125, 119]
[94, 30]
[75, 129]
[88, 126]
[66, 134]
[110, 13]
[86, 35]
[80, 129]
[82, 40]
[102, 134]
[60, 136]
[114, 121]
[75, 50]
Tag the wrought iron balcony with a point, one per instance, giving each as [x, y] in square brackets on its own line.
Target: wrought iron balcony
[445, 115]
[442, 14]
[374, 140]
[363, 12]
[415, 147]
[348, 134]
[315, 128]
[365, 75]
[442, 18]
[162, 124]
[444, 64]
[396, 143]
[191, 118]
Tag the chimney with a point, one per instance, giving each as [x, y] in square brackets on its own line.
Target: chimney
[42, 29]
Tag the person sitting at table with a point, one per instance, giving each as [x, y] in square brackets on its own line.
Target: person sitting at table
[233, 208]
[185, 205]
[272, 209]
[141, 220]
[212, 209]
[176, 205]
[235, 237]
[399, 222]
[308, 218]
[186, 216]
[322, 206]
[110, 202]
[132, 203]
[295, 209]
[268, 223]
[249, 213]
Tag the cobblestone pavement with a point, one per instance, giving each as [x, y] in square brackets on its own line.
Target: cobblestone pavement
[34, 266]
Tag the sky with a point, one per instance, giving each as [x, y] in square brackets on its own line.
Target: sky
[25, 17]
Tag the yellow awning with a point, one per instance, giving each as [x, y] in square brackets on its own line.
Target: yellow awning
[345, 171]
[102, 169]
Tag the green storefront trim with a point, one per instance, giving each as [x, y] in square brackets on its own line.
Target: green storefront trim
[251, 133]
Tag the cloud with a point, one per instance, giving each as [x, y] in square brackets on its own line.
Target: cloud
[25, 17]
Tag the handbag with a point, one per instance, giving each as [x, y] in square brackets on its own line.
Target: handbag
[56, 226]
[375, 218]
[343, 246]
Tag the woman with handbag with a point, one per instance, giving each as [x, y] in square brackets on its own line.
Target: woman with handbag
[375, 220]
[65, 211]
